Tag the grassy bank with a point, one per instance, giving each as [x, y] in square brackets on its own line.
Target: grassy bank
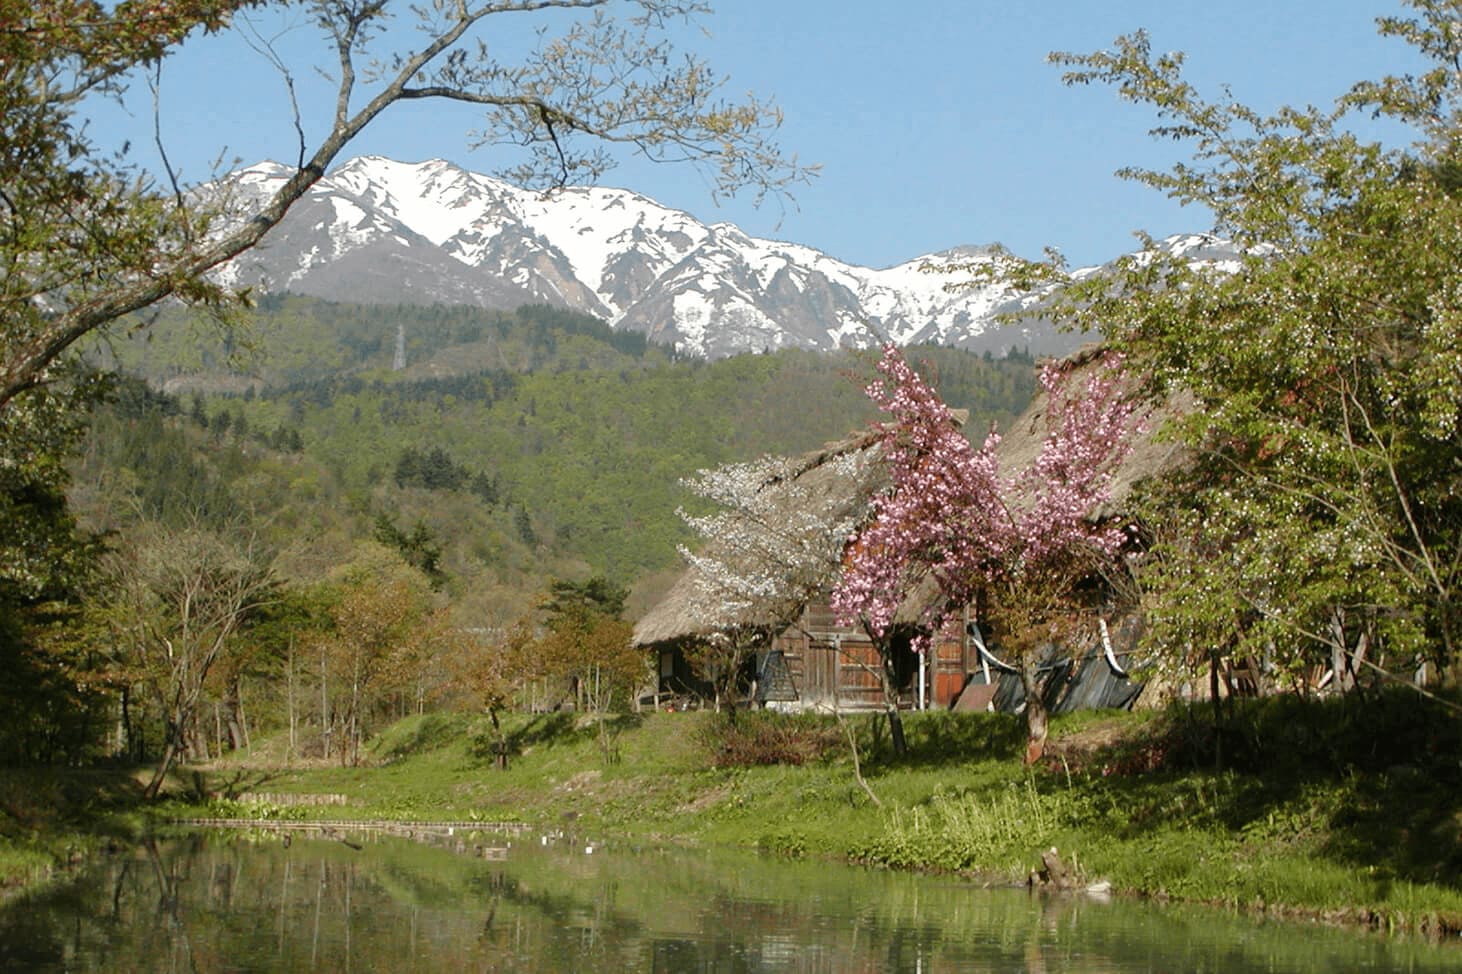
[1345, 810]
[52, 820]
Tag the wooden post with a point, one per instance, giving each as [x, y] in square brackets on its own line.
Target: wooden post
[289, 698]
[244, 718]
[325, 722]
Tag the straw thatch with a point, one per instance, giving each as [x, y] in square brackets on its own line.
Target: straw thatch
[1149, 456]
[827, 486]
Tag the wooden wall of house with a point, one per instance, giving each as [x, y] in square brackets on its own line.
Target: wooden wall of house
[823, 665]
[838, 666]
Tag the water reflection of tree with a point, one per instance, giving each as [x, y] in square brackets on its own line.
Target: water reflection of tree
[169, 874]
[317, 906]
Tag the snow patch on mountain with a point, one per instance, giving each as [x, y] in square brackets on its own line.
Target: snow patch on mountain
[433, 232]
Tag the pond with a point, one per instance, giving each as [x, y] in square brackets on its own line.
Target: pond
[218, 902]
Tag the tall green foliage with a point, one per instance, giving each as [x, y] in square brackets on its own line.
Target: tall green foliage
[52, 711]
[383, 636]
[1320, 518]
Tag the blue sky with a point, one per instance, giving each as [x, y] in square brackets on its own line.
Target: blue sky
[936, 122]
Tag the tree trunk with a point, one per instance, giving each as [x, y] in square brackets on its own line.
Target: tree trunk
[1213, 668]
[129, 734]
[1036, 720]
[154, 786]
[725, 685]
[354, 739]
[289, 702]
[233, 732]
[857, 764]
[889, 678]
[500, 742]
[244, 719]
[192, 737]
[172, 745]
[896, 731]
[326, 723]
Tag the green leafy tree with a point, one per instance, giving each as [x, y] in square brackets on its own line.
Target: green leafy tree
[384, 631]
[492, 675]
[281, 636]
[1319, 522]
[41, 546]
[589, 649]
[594, 654]
[418, 547]
[60, 692]
[567, 599]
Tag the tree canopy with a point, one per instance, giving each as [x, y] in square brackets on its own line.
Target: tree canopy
[1320, 519]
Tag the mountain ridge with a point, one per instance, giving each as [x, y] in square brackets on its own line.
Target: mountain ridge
[383, 231]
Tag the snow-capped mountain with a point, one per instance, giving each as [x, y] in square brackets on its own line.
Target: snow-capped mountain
[375, 230]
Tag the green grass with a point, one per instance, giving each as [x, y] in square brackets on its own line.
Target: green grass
[1331, 810]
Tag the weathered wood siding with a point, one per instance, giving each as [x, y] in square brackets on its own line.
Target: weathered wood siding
[838, 666]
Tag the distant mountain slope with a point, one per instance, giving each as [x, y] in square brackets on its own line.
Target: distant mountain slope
[531, 444]
[290, 339]
[376, 230]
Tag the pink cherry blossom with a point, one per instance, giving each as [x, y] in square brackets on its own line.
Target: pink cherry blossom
[951, 516]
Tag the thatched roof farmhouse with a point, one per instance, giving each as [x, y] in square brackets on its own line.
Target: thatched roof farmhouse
[825, 663]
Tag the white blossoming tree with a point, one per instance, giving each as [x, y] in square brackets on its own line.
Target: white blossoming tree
[773, 542]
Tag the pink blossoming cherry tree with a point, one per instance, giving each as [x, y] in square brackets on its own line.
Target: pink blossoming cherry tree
[1025, 541]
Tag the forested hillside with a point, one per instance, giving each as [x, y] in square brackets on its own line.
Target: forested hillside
[322, 542]
[522, 446]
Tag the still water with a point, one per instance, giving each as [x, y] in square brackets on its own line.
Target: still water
[221, 902]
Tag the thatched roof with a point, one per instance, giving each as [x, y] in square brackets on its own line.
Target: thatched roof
[1021, 443]
[829, 486]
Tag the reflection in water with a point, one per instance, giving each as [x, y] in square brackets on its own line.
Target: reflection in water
[216, 903]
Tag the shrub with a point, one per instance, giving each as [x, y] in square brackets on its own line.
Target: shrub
[761, 737]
